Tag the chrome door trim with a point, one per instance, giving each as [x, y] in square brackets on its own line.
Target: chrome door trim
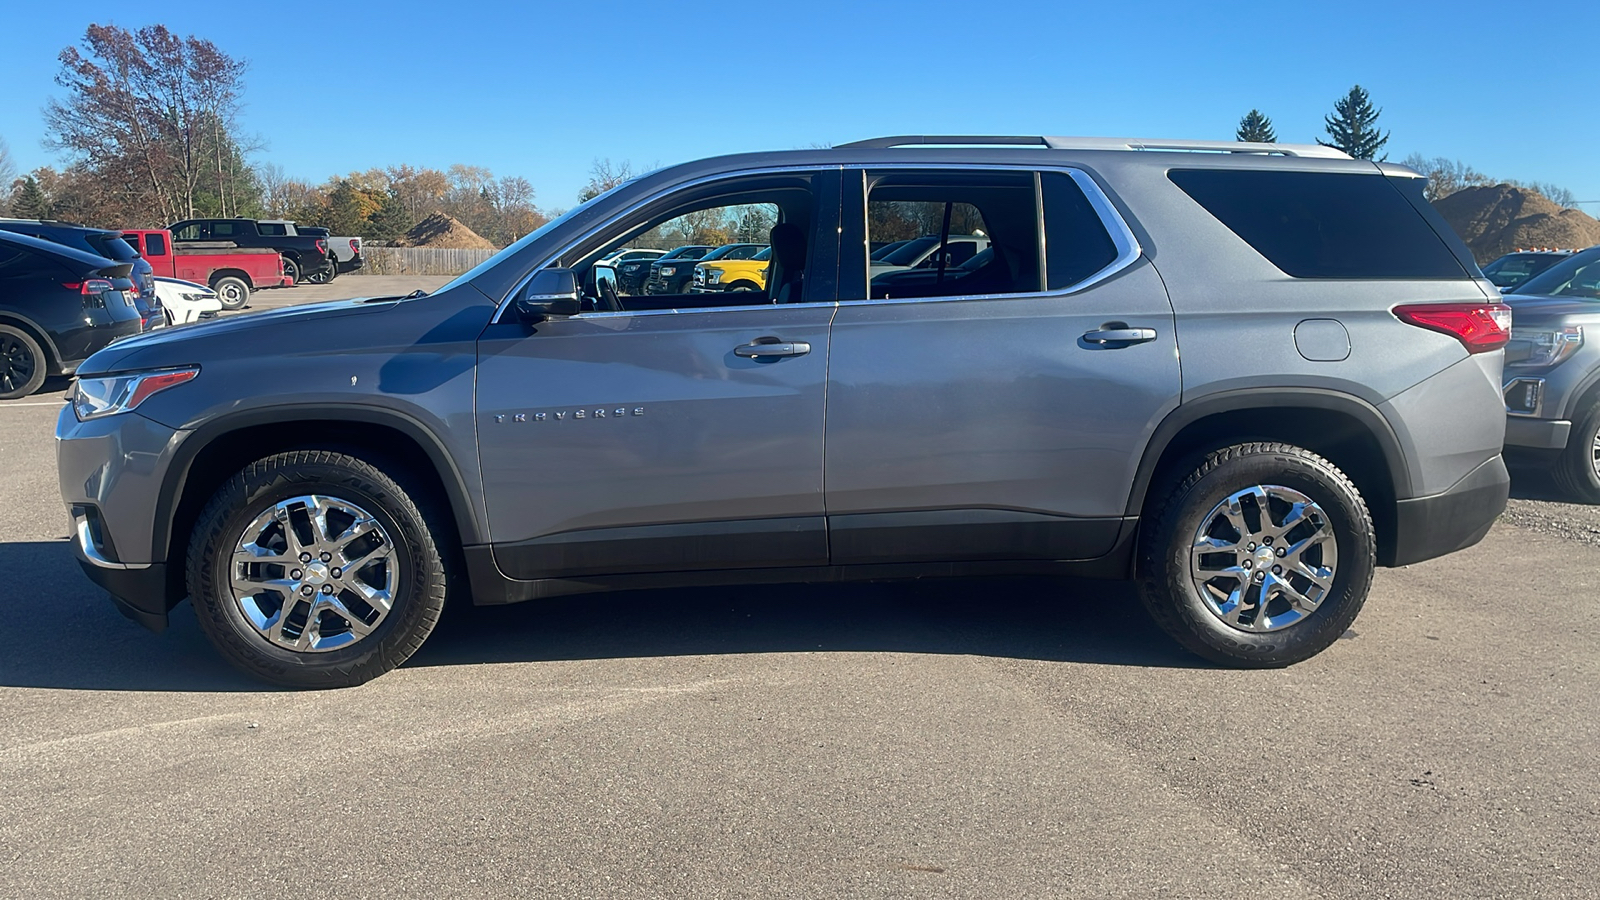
[1122, 237]
[505, 302]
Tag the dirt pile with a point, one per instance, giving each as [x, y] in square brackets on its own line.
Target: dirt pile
[445, 232]
[1497, 220]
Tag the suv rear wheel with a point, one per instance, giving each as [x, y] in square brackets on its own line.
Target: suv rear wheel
[315, 569]
[1260, 556]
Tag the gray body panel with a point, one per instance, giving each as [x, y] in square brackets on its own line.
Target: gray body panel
[1566, 389]
[996, 403]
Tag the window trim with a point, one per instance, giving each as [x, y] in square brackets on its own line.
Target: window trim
[505, 302]
[1129, 251]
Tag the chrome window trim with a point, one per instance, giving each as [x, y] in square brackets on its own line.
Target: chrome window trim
[505, 302]
[1122, 237]
[628, 313]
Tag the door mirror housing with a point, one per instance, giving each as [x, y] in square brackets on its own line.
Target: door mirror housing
[551, 294]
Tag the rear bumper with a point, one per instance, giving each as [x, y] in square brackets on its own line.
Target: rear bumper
[1537, 434]
[350, 265]
[1429, 527]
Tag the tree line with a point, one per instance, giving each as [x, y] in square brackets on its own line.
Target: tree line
[149, 122]
[1353, 128]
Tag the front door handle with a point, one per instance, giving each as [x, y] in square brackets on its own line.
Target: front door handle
[771, 348]
[1122, 336]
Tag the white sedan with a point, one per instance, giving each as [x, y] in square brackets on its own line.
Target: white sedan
[185, 301]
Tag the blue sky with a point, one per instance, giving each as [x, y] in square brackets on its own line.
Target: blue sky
[540, 89]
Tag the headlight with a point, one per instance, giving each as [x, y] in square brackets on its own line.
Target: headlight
[713, 276]
[669, 270]
[108, 395]
[1547, 348]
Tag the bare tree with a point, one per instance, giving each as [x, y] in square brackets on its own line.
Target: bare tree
[8, 174]
[603, 176]
[154, 112]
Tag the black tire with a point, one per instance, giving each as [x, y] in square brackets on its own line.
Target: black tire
[742, 286]
[1183, 503]
[420, 563]
[232, 292]
[291, 268]
[22, 363]
[1577, 469]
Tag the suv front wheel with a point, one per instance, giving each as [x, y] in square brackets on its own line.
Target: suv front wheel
[1260, 556]
[315, 569]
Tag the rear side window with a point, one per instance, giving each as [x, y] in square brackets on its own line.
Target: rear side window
[1076, 244]
[112, 246]
[225, 229]
[270, 230]
[1323, 224]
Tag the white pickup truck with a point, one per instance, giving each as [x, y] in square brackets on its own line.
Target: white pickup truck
[346, 251]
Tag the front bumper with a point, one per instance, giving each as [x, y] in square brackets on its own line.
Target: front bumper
[111, 474]
[1537, 434]
[1429, 527]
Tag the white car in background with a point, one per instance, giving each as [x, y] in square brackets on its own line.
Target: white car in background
[185, 301]
[628, 254]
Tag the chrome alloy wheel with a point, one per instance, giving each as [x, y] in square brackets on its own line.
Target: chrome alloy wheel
[1264, 558]
[1594, 454]
[314, 573]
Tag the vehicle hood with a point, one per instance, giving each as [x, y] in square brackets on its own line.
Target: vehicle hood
[170, 346]
[1538, 307]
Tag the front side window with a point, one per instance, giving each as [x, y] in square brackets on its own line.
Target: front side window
[191, 231]
[731, 223]
[156, 244]
[951, 234]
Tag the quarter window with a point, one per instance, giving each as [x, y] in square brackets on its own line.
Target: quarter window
[1323, 224]
[1076, 242]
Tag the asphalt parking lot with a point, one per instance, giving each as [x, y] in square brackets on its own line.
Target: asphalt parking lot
[994, 739]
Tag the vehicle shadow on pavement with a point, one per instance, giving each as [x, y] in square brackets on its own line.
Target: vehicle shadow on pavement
[1023, 618]
[59, 630]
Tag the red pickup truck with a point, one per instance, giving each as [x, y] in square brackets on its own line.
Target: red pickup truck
[233, 272]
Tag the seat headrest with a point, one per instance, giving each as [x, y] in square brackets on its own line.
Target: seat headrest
[788, 246]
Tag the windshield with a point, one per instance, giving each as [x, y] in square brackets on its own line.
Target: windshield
[887, 249]
[1576, 276]
[910, 252]
[112, 246]
[732, 251]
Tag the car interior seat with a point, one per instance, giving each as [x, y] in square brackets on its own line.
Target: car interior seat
[788, 262]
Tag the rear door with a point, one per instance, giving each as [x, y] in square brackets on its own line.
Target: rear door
[995, 413]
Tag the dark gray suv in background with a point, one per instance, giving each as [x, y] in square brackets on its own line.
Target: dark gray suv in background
[320, 480]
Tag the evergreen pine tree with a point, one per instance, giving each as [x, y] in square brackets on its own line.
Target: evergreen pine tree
[1256, 127]
[29, 201]
[1354, 126]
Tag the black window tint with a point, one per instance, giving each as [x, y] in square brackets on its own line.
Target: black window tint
[224, 229]
[112, 246]
[1323, 224]
[155, 244]
[1076, 244]
[270, 230]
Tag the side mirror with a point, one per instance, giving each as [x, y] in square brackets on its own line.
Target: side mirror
[551, 294]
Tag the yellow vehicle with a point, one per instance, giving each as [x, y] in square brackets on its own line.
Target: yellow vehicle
[732, 274]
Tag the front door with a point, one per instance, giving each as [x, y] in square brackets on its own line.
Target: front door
[671, 434]
[994, 410]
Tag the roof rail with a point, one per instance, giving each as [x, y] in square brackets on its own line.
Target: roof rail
[1096, 143]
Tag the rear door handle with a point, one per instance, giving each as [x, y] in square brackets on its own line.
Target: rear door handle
[771, 348]
[1120, 336]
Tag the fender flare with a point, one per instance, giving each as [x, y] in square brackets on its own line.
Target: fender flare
[176, 479]
[1193, 411]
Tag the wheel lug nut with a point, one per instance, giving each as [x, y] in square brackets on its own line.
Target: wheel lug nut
[337, 573]
[308, 590]
[305, 557]
[1267, 541]
[1260, 575]
[1251, 546]
[1277, 570]
[1249, 564]
[1283, 551]
[295, 575]
[327, 589]
[327, 557]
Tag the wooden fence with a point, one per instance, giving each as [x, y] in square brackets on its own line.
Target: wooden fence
[420, 260]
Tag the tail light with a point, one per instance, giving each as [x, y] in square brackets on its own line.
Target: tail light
[322, 246]
[1480, 327]
[89, 287]
[355, 245]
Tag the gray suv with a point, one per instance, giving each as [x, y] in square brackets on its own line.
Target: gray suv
[320, 480]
